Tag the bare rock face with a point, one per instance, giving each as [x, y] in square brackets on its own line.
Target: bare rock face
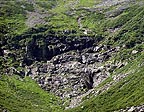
[73, 73]
[44, 48]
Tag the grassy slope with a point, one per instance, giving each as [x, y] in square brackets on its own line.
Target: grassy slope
[24, 95]
[13, 16]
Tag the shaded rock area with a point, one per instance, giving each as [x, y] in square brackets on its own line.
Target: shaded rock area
[45, 47]
[75, 72]
[1, 52]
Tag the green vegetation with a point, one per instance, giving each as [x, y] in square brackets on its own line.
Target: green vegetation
[131, 32]
[13, 16]
[125, 28]
[24, 95]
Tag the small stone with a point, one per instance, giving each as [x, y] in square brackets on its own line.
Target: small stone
[131, 109]
[82, 107]
[134, 51]
[65, 81]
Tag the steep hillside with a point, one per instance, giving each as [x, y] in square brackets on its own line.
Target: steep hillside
[72, 55]
[24, 95]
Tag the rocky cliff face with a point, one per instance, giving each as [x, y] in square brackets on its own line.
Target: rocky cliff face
[66, 65]
[75, 72]
[45, 47]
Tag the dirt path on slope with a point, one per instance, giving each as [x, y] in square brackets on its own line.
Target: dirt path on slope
[36, 17]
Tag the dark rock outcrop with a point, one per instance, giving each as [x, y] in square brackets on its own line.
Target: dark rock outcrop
[44, 48]
[73, 73]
